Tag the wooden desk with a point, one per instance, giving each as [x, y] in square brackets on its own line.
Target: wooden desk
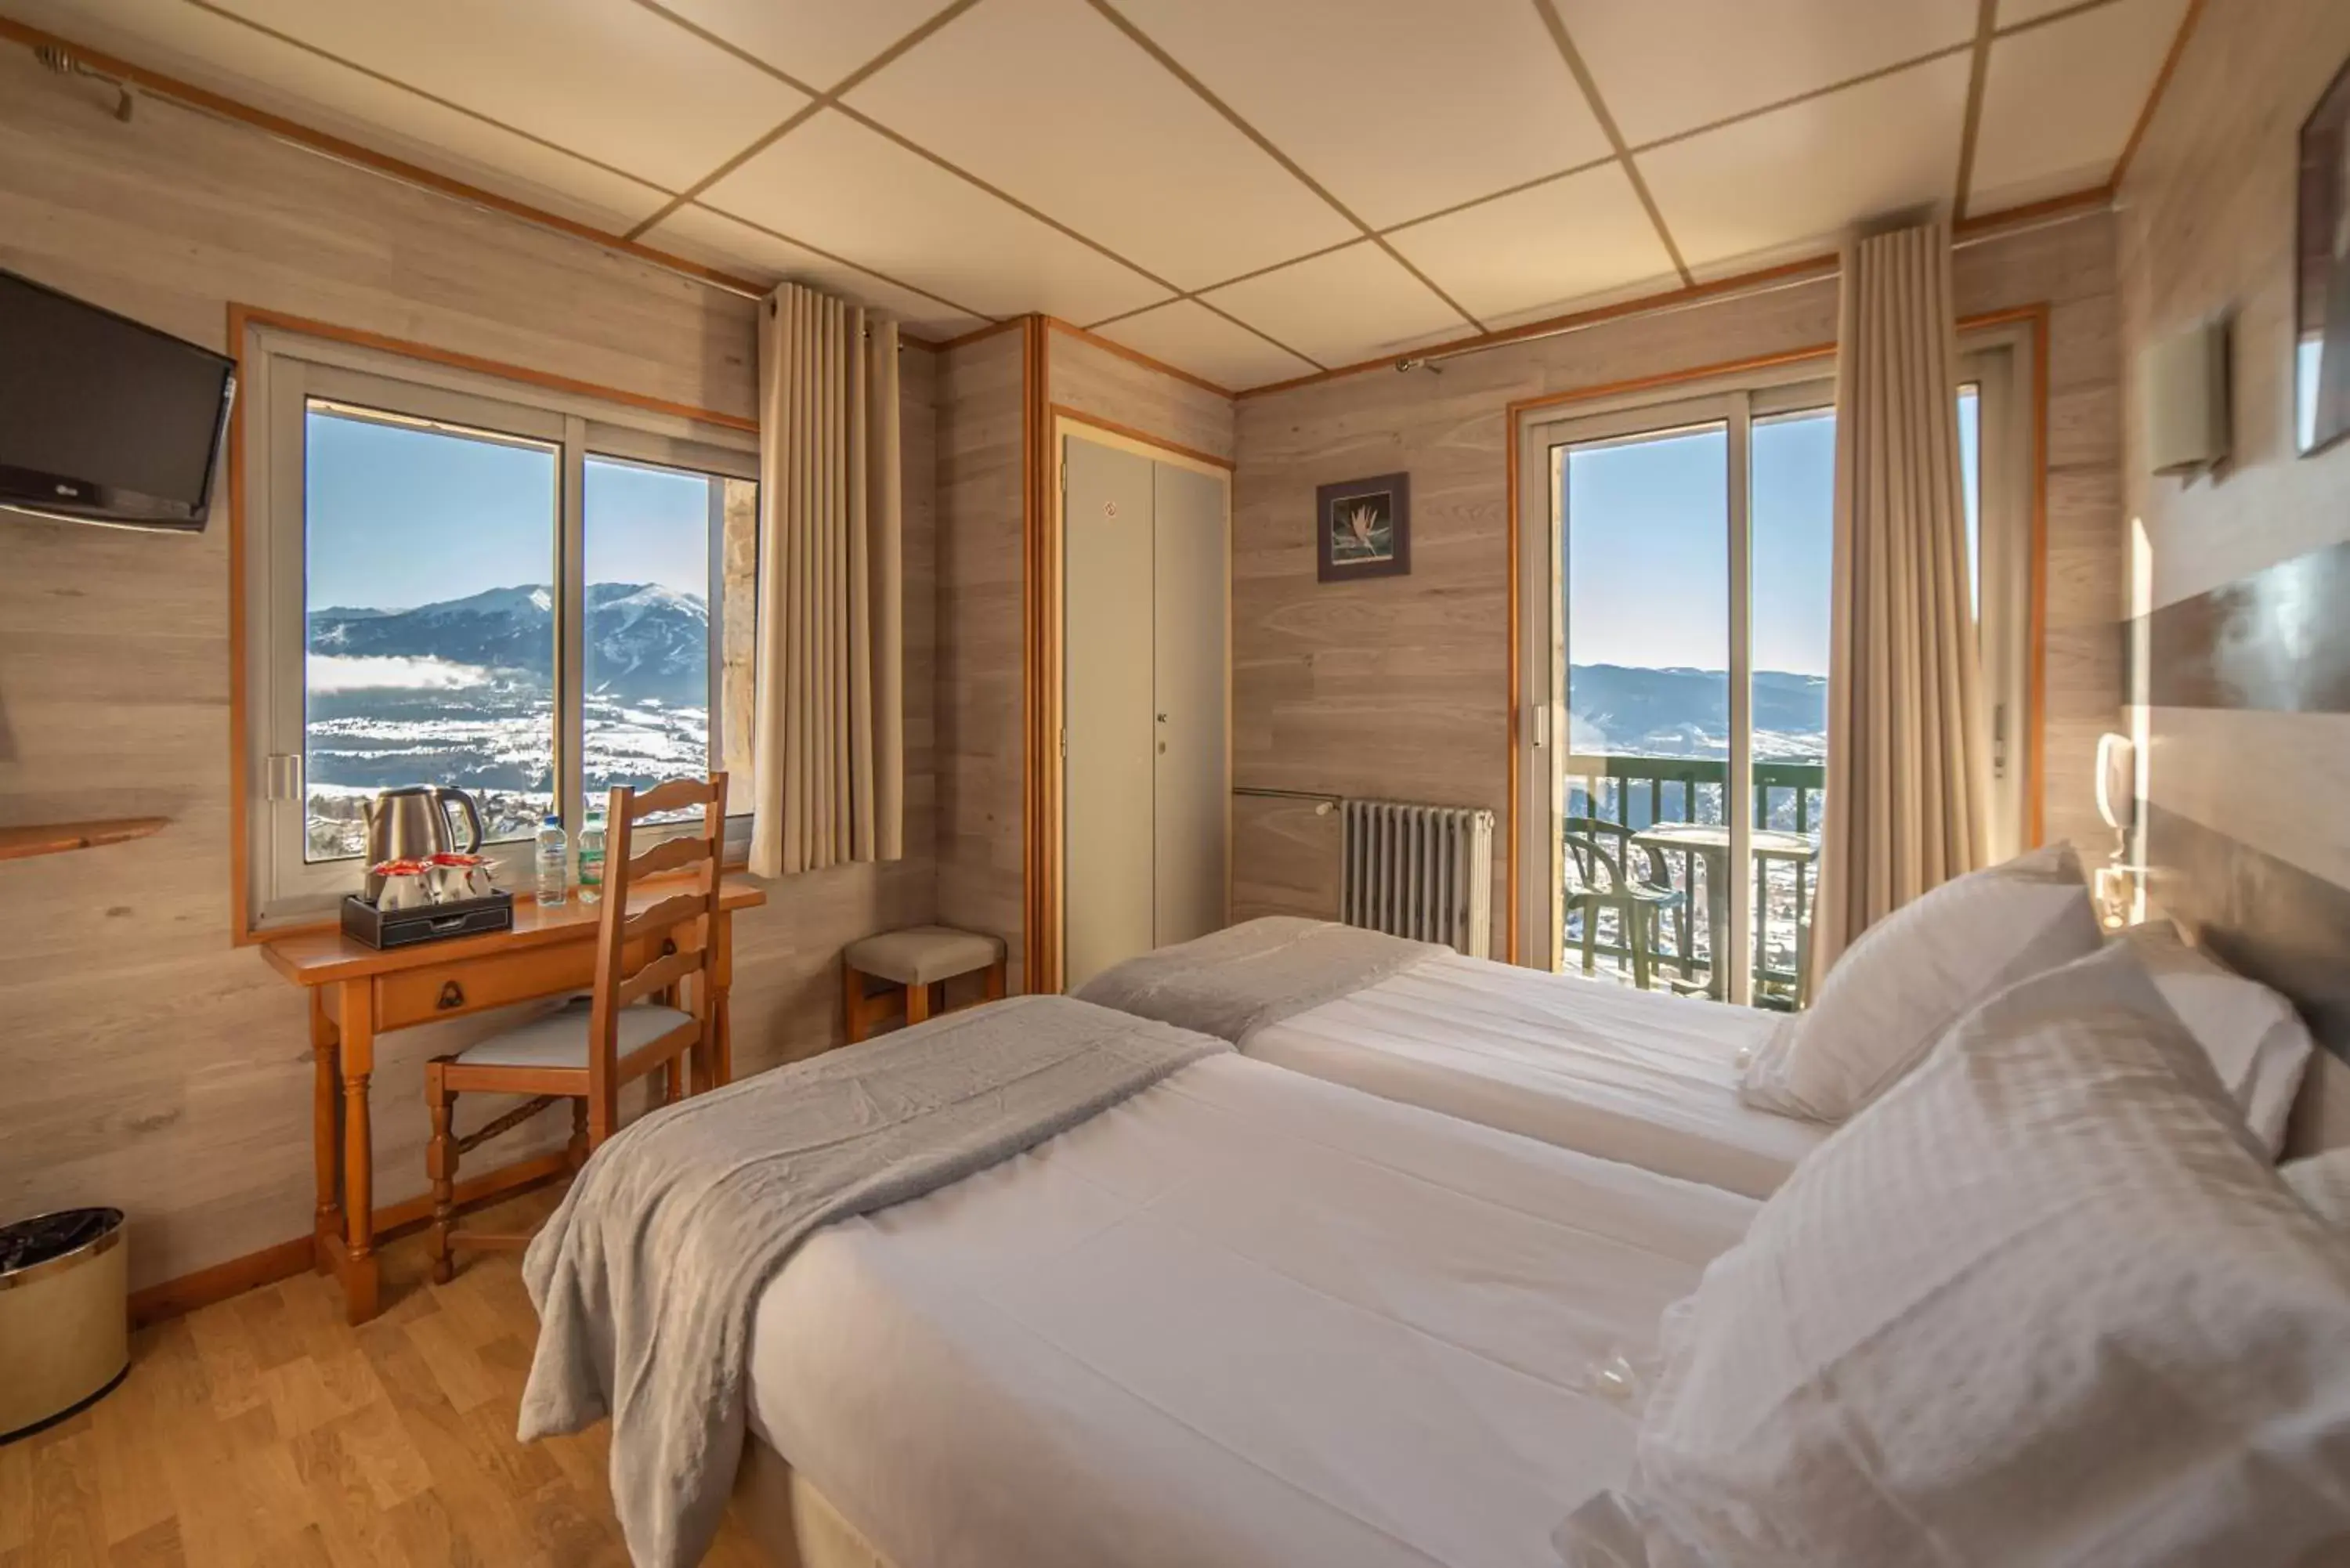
[358, 994]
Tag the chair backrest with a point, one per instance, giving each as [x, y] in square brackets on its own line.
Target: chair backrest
[1595, 852]
[667, 937]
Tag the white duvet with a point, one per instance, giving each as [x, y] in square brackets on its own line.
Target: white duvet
[1245, 1318]
[1639, 1077]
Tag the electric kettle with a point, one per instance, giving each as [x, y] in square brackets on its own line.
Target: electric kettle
[413, 824]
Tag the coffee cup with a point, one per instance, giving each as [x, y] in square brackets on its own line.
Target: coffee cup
[456, 878]
[406, 885]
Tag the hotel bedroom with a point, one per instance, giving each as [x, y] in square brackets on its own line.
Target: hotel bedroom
[1033, 782]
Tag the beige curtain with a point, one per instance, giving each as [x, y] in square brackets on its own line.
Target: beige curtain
[1908, 759]
[831, 675]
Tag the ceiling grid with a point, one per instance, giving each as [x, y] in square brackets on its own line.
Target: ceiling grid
[1576, 67]
[1255, 220]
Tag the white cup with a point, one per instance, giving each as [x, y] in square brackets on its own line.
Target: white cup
[459, 879]
[404, 890]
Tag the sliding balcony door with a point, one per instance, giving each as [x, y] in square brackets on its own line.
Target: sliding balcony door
[1655, 689]
[1674, 679]
[1647, 520]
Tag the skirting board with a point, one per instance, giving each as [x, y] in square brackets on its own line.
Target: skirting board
[175, 1297]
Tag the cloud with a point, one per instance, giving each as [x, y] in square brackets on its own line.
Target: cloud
[340, 672]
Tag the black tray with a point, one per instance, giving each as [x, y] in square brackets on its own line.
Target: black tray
[362, 921]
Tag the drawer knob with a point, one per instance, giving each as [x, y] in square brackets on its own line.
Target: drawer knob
[452, 995]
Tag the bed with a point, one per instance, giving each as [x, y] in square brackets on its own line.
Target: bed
[1161, 1322]
[1144, 1340]
[1640, 1076]
[1644, 1077]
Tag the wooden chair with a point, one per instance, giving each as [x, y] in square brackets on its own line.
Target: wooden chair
[586, 1055]
[1598, 879]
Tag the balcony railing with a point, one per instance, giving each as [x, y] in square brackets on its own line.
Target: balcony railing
[1640, 792]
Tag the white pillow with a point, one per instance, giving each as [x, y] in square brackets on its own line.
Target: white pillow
[2322, 1181]
[2256, 1041]
[1916, 973]
[2045, 1303]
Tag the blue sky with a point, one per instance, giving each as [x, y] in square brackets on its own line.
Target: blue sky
[1648, 550]
[400, 517]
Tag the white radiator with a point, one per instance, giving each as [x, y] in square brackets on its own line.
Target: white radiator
[1423, 871]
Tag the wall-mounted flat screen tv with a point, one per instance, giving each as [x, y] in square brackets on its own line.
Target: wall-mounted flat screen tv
[103, 420]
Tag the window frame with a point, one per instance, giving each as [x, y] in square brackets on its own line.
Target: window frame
[1997, 359]
[284, 369]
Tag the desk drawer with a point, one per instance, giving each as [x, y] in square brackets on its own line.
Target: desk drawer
[428, 991]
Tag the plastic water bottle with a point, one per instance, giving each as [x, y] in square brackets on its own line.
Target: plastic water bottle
[591, 859]
[553, 872]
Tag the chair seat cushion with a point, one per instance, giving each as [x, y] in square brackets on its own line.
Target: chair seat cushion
[560, 1039]
[921, 954]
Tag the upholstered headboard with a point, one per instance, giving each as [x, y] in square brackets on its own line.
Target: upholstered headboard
[2321, 1117]
[2283, 926]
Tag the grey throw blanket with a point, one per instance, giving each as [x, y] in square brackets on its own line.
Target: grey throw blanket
[1232, 982]
[646, 1277]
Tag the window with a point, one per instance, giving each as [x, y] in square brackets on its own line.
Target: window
[1682, 667]
[667, 677]
[456, 579]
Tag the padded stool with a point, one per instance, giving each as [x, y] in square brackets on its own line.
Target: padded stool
[917, 963]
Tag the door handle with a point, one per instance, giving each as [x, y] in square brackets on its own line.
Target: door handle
[1162, 718]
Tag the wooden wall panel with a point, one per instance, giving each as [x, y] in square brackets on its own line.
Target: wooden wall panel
[2071, 268]
[1291, 848]
[2248, 748]
[2206, 229]
[980, 501]
[1090, 380]
[150, 1063]
[1397, 687]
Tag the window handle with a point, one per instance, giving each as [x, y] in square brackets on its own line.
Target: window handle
[284, 780]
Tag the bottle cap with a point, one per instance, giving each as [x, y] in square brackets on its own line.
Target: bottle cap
[552, 819]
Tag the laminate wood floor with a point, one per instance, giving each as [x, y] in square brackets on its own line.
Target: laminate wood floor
[265, 1430]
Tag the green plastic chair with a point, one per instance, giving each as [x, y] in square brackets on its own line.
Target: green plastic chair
[1599, 856]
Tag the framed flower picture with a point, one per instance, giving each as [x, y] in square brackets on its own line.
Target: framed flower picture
[1364, 528]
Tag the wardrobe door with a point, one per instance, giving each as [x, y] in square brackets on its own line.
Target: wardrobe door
[1108, 910]
[1193, 789]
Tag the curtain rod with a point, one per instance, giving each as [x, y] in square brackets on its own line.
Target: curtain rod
[1434, 363]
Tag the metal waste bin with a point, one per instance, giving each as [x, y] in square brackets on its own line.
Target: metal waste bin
[65, 1322]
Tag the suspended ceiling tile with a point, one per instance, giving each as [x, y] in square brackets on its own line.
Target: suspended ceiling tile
[2060, 101]
[1045, 99]
[608, 78]
[1346, 305]
[698, 234]
[1666, 68]
[1398, 107]
[821, 42]
[839, 184]
[1531, 254]
[1189, 336]
[226, 56]
[1811, 170]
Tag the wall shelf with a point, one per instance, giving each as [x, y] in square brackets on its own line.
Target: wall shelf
[57, 837]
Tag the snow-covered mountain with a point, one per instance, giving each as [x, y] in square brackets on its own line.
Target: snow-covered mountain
[462, 693]
[1686, 712]
[644, 641]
